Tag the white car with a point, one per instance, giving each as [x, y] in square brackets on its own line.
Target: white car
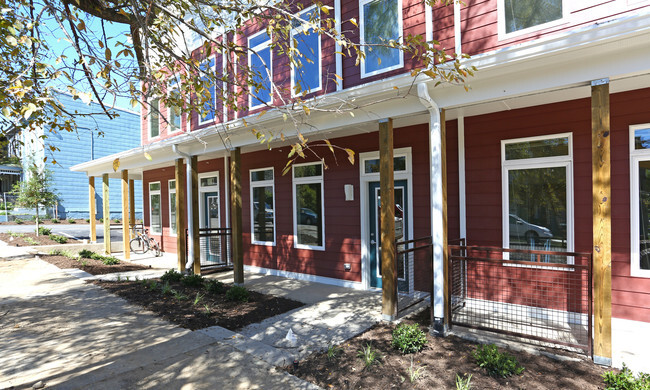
[520, 228]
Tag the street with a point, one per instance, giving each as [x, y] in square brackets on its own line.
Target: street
[79, 232]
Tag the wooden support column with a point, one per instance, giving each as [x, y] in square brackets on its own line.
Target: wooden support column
[132, 206]
[445, 233]
[107, 215]
[181, 249]
[387, 194]
[602, 221]
[92, 206]
[125, 215]
[195, 215]
[236, 215]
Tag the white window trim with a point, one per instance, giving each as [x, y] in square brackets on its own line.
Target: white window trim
[635, 157]
[201, 121]
[532, 163]
[269, 67]
[300, 29]
[501, 22]
[308, 180]
[171, 191]
[400, 23]
[257, 184]
[150, 119]
[211, 188]
[171, 129]
[155, 192]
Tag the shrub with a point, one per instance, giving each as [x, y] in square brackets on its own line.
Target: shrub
[101, 220]
[54, 220]
[96, 256]
[71, 220]
[497, 364]
[59, 239]
[86, 254]
[409, 338]
[30, 241]
[625, 380]
[171, 276]
[117, 220]
[109, 260]
[192, 280]
[19, 222]
[87, 220]
[214, 287]
[237, 293]
[44, 231]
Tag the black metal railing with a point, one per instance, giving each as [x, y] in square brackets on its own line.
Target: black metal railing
[215, 248]
[414, 265]
[537, 300]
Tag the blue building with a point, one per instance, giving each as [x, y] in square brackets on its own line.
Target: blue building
[96, 136]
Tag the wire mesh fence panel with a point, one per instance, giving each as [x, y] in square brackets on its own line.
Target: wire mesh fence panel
[215, 248]
[414, 270]
[538, 300]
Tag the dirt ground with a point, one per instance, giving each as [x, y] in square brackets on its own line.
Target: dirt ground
[182, 308]
[438, 364]
[93, 267]
[23, 239]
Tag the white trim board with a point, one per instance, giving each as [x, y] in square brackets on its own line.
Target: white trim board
[305, 277]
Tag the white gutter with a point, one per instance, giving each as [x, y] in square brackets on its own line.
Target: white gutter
[435, 178]
[457, 29]
[337, 48]
[428, 21]
[190, 210]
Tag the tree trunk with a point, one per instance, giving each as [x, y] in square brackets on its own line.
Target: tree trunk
[37, 232]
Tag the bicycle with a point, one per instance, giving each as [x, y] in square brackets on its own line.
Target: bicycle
[142, 243]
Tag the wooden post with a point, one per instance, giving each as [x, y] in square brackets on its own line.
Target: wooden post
[125, 215]
[181, 249]
[132, 206]
[602, 221]
[195, 215]
[387, 194]
[236, 215]
[92, 205]
[107, 215]
[445, 233]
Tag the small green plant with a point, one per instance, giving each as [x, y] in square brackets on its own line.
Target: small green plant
[171, 276]
[409, 338]
[127, 278]
[152, 284]
[54, 220]
[84, 263]
[59, 239]
[166, 288]
[117, 220]
[71, 220]
[415, 371]
[178, 295]
[192, 280]
[30, 241]
[87, 220]
[207, 309]
[101, 220]
[17, 235]
[497, 364]
[109, 260]
[333, 351]
[119, 278]
[368, 355]
[44, 231]
[625, 380]
[214, 287]
[198, 298]
[19, 222]
[55, 252]
[237, 294]
[464, 383]
[86, 254]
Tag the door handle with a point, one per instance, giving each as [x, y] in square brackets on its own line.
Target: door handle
[373, 242]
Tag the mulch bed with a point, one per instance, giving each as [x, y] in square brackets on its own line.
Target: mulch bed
[92, 266]
[441, 359]
[21, 239]
[212, 309]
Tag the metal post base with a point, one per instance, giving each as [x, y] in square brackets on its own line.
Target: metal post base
[388, 317]
[603, 361]
[439, 328]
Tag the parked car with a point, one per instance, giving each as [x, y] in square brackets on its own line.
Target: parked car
[520, 228]
[307, 217]
[268, 212]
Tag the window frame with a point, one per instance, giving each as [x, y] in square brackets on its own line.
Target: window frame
[257, 184]
[171, 191]
[533, 163]
[308, 180]
[269, 67]
[400, 23]
[154, 117]
[171, 129]
[501, 21]
[151, 193]
[300, 30]
[200, 119]
[636, 156]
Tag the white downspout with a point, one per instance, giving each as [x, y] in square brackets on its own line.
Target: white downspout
[435, 178]
[190, 211]
[337, 49]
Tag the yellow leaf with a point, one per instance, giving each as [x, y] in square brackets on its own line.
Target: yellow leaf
[116, 164]
[350, 155]
[81, 26]
[306, 110]
[108, 54]
[147, 156]
[329, 145]
[354, 21]
[261, 114]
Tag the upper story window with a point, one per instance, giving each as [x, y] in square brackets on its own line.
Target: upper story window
[262, 206]
[154, 118]
[381, 22]
[308, 221]
[306, 74]
[259, 60]
[538, 196]
[517, 16]
[640, 204]
[209, 108]
[174, 112]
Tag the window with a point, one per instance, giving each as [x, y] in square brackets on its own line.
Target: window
[154, 118]
[209, 108]
[640, 199]
[381, 22]
[308, 221]
[518, 15]
[174, 112]
[372, 165]
[172, 206]
[538, 192]
[306, 74]
[259, 60]
[155, 221]
[263, 206]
